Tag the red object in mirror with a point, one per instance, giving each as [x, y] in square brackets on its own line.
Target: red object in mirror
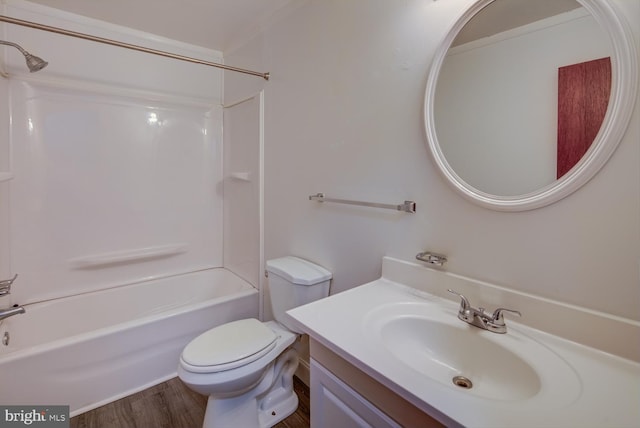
[583, 96]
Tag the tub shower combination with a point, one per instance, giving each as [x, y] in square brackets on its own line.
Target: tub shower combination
[88, 350]
[120, 267]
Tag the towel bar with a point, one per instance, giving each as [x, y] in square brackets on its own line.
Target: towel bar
[406, 206]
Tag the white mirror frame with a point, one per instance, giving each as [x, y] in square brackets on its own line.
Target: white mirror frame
[624, 83]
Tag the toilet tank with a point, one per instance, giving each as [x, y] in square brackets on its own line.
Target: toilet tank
[294, 282]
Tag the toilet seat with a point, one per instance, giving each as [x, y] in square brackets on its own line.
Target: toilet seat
[228, 346]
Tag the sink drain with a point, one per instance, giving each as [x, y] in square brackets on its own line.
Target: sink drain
[462, 382]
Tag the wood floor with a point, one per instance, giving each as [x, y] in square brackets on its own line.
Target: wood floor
[172, 405]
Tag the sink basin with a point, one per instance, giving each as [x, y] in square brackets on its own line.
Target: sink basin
[431, 341]
[445, 352]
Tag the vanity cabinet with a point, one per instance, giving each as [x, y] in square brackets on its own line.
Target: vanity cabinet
[344, 396]
[335, 404]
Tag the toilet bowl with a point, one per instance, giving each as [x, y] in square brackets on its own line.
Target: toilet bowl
[246, 367]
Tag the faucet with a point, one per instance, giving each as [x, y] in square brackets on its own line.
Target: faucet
[478, 317]
[5, 285]
[9, 312]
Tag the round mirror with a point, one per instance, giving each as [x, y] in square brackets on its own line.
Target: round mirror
[526, 100]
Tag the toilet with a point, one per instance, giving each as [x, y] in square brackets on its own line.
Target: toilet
[246, 367]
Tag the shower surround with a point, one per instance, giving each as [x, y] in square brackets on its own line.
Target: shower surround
[111, 211]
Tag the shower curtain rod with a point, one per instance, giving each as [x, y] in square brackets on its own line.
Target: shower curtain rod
[84, 36]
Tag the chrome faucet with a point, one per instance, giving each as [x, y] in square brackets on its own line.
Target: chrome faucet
[9, 312]
[478, 317]
[5, 285]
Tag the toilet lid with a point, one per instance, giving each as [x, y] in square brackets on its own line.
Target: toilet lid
[230, 345]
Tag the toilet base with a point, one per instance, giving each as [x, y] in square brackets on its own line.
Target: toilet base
[272, 400]
[271, 412]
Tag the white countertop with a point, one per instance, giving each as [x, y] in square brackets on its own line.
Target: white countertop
[607, 393]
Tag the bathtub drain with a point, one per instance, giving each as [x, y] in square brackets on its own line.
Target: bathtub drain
[462, 382]
[5, 338]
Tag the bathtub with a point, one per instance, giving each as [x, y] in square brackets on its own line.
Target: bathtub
[88, 350]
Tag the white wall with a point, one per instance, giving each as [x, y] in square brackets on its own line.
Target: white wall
[116, 156]
[343, 115]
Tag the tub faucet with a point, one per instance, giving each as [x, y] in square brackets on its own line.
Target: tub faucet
[478, 317]
[9, 312]
[5, 285]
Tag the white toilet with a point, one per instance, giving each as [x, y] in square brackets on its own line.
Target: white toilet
[246, 367]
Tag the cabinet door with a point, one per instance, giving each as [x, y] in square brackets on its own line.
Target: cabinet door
[335, 404]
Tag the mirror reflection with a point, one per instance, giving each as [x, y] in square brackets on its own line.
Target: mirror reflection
[511, 90]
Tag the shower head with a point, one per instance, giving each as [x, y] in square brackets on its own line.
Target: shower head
[34, 63]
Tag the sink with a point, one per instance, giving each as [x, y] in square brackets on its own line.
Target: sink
[446, 352]
[429, 340]
[402, 331]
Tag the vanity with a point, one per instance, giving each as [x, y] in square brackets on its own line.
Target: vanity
[393, 352]
[401, 350]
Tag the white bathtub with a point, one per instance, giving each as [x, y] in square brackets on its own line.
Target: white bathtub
[88, 350]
